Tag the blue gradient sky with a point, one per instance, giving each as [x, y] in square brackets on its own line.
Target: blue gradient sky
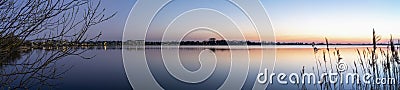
[344, 21]
[113, 28]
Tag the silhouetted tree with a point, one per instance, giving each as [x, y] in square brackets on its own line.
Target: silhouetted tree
[23, 21]
[33, 20]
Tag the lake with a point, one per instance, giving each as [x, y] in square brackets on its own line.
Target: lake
[211, 67]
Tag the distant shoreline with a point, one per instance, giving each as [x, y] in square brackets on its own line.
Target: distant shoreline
[225, 47]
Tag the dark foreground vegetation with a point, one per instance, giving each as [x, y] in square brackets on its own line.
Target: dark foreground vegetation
[379, 62]
[23, 23]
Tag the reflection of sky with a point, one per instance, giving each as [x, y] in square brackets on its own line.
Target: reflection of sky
[288, 60]
[305, 20]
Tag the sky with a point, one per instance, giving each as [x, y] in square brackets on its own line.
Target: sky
[345, 21]
[341, 21]
[113, 28]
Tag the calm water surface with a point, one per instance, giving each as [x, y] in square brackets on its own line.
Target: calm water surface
[105, 71]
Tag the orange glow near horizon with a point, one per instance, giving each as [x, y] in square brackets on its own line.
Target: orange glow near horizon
[355, 39]
[345, 21]
[309, 39]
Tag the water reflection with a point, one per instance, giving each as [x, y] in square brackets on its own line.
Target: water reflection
[293, 59]
[35, 69]
[54, 69]
[39, 68]
[235, 67]
[11, 56]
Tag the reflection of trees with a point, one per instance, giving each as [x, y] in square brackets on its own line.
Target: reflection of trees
[38, 69]
[10, 56]
[26, 21]
[34, 70]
